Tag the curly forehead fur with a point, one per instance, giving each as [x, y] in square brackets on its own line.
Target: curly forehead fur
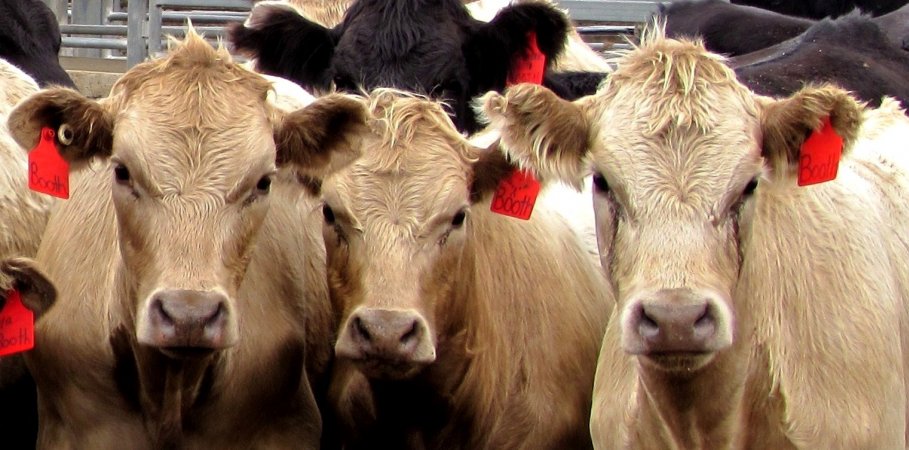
[192, 65]
[408, 126]
[677, 79]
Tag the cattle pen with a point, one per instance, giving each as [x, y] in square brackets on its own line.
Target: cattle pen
[103, 38]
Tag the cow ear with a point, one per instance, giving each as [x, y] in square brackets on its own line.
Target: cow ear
[787, 123]
[35, 288]
[540, 131]
[285, 44]
[489, 170]
[84, 127]
[322, 137]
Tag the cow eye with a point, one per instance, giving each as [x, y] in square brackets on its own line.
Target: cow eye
[264, 184]
[121, 174]
[328, 214]
[458, 220]
[599, 183]
[750, 187]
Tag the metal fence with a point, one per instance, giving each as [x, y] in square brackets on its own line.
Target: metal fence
[131, 30]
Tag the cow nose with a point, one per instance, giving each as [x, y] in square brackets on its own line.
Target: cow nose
[676, 320]
[387, 334]
[189, 319]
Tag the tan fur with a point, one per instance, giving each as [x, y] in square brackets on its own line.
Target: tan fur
[815, 278]
[515, 308]
[327, 13]
[23, 213]
[197, 134]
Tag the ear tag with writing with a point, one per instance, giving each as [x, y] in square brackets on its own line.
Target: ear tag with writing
[17, 326]
[48, 172]
[820, 156]
[530, 66]
[517, 194]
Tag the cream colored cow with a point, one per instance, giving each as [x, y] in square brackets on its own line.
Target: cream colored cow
[751, 312]
[193, 307]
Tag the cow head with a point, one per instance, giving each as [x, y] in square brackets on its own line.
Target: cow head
[680, 153]
[192, 147]
[434, 48]
[396, 228]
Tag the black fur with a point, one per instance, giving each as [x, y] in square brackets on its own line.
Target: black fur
[433, 47]
[30, 40]
[573, 85]
[730, 29]
[866, 63]
[819, 9]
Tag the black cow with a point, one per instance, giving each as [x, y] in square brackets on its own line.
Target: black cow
[737, 30]
[30, 40]
[819, 9]
[851, 51]
[730, 29]
[428, 46]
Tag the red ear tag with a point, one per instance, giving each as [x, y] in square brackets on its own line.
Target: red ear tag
[820, 157]
[516, 195]
[48, 172]
[17, 326]
[530, 66]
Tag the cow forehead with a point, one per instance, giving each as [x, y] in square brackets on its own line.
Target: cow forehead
[675, 121]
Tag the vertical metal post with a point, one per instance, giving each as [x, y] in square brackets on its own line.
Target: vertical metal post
[136, 32]
[154, 28]
[88, 12]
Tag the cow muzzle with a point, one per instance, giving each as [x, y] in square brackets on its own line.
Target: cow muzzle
[186, 322]
[386, 343]
[672, 325]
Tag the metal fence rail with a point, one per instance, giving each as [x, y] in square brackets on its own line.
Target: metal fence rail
[103, 29]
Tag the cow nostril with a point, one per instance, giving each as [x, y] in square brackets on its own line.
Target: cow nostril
[648, 327]
[360, 329]
[411, 334]
[217, 315]
[706, 324]
[158, 307]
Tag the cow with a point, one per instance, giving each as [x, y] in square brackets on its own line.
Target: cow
[23, 216]
[736, 30]
[728, 28]
[30, 40]
[819, 9]
[751, 312]
[460, 327]
[327, 13]
[434, 48]
[867, 63]
[18, 398]
[193, 310]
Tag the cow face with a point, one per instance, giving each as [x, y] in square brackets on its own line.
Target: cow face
[192, 149]
[433, 47]
[680, 153]
[395, 233]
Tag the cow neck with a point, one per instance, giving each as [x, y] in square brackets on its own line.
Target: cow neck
[694, 411]
[165, 389]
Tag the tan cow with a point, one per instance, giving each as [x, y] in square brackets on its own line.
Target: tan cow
[461, 328]
[190, 272]
[751, 312]
[327, 13]
[23, 213]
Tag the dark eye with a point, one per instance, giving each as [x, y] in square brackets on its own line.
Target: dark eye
[458, 219]
[328, 214]
[121, 174]
[599, 183]
[264, 184]
[750, 187]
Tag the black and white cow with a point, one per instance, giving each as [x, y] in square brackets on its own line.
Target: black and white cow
[30, 40]
[433, 47]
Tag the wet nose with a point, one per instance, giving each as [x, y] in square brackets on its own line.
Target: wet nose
[189, 318]
[676, 320]
[401, 335]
